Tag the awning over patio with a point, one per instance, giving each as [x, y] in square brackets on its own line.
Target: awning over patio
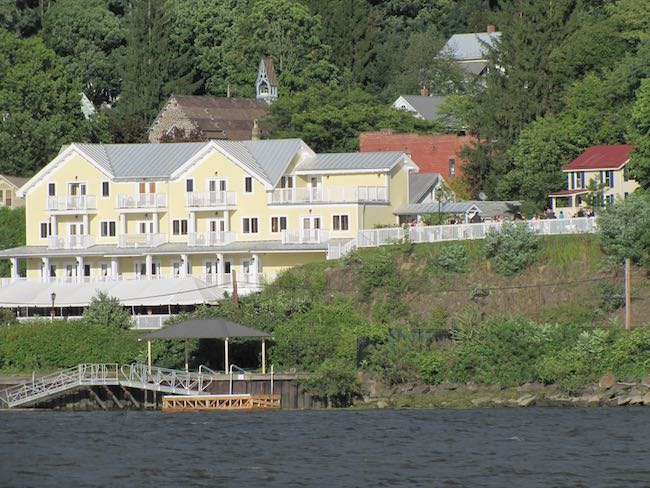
[217, 328]
[147, 293]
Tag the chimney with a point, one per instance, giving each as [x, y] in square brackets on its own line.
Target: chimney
[491, 29]
[255, 133]
[425, 91]
[228, 91]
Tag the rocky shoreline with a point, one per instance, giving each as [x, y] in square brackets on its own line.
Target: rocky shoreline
[609, 391]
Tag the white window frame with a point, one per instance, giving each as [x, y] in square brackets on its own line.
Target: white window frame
[311, 218]
[150, 227]
[176, 267]
[218, 181]
[193, 187]
[287, 182]
[252, 185]
[217, 221]
[76, 225]
[180, 227]
[51, 185]
[340, 216]
[49, 229]
[109, 269]
[108, 228]
[79, 185]
[105, 197]
[280, 229]
[250, 226]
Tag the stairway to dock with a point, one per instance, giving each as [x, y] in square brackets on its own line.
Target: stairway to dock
[140, 376]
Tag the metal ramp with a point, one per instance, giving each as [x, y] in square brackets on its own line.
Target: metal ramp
[139, 376]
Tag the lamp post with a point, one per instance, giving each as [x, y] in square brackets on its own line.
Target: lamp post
[438, 193]
[53, 297]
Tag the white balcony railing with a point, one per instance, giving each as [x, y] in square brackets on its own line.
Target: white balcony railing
[211, 199]
[71, 242]
[210, 238]
[336, 194]
[141, 240]
[83, 202]
[459, 232]
[305, 236]
[244, 280]
[142, 201]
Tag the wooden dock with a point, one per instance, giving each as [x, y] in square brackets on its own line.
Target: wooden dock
[185, 403]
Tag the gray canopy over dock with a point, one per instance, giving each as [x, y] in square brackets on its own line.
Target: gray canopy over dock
[216, 328]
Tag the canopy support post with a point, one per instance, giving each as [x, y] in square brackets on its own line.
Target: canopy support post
[263, 356]
[225, 360]
[186, 363]
[149, 355]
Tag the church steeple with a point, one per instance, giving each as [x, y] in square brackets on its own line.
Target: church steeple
[266, 85]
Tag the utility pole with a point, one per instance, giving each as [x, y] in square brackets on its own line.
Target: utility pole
[235, 297]
[628, 296]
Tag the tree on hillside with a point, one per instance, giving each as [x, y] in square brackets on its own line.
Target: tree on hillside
[624, 228]
[152, 70]
[330, 119]
[89, 37]
[39, 106]
[12, 233]
[287, 31]
[639, 165]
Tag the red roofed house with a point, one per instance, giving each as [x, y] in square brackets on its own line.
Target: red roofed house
[433, 153]
[606, 165]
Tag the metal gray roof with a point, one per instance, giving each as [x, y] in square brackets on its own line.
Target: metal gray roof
[142, 160]
[421, 183]
[273, 155]
[473, 67]
[486, 209]
[351, 161]
[217, 328]
[470, 46]
[427, 107]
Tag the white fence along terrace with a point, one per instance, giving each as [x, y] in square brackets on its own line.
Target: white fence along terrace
[81, 202]
[460, 232]
[342, 194]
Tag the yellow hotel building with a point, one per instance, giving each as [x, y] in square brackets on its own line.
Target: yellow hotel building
[122, 212]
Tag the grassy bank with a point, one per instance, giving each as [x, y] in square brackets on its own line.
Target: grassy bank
[424, 313]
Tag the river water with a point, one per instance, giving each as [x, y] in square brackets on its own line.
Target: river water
[449, 448]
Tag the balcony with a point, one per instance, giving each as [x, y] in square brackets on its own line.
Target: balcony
[72, 203]
[141, 240]
[305, 236]
[71, 242]
[142, 202]
[210, 238]
[211, 200]
[335, 194]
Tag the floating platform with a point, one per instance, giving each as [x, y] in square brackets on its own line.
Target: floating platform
[189, 403]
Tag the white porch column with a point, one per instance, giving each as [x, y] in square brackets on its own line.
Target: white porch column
[148, 263]
[53, 225]
[183, 265]
[80, 269]
[256, 268]
[46, 269]
[14, 269]
[115, 269]
[86, 231]
[122, 224]
[220, 267]
[226, 220]
[192, 223]
[154, 216]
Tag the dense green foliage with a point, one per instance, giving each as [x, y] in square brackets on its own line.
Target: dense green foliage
[62, 344]
[107, 311]
[511, 249]
[624, 228]
[12, 233]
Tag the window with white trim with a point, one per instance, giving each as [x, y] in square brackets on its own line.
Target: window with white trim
[278, 224]
[46, 230]
[179, 227]
[189, 185]
[249, 225]
[452, 167]
[51, 189]
[107, 228]
[106, 189]
[248, 184]
[340, 222]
